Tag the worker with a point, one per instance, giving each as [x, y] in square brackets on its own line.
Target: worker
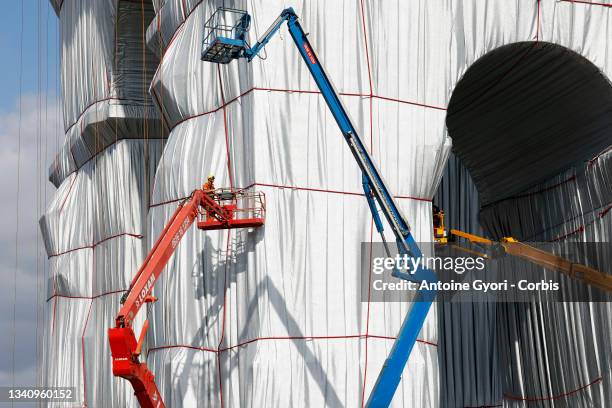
[209, 189]
[436, 216]
[209, 186]
[439, 228]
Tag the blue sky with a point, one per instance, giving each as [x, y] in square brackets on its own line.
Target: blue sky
[44, 25]
[39, 127]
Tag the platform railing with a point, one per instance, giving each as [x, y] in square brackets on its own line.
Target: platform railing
[225, 22]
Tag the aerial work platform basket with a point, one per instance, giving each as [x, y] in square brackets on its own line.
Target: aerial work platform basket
[240, 209]
[225, 35]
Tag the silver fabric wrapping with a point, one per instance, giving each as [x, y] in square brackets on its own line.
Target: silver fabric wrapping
[94, 232]
[272, 317]
[557, 352]
[94, 229]
[106, 74]
[468, 344]
[508, 353]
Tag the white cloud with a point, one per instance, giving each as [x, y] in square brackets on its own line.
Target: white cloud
[40, 133]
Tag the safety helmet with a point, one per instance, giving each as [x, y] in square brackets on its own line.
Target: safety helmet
[211, 177]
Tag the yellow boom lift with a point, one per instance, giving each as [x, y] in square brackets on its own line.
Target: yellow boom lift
[524, 251]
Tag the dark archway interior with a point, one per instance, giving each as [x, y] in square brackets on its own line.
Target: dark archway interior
[526, 111]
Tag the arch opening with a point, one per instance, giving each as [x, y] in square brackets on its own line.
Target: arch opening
[525, 112]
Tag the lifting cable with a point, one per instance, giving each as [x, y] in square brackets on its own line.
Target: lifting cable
[94, 68]
[58, 116]
[160, 100]
[114, 71]
[39, 184]
[58, 121]
[18, 180]
[145, 128]
[42, 266]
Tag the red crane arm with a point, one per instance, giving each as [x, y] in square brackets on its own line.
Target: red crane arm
[125, 348]
[158, 257]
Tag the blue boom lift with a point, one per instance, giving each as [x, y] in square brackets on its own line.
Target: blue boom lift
[225, 42]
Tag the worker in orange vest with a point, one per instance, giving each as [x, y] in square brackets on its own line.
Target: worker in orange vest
[209, 186]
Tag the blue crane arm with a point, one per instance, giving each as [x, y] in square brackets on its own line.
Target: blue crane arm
[252, 52]
[376, 193]
[372, 178]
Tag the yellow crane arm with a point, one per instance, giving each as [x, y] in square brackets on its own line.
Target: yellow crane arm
[545, 259]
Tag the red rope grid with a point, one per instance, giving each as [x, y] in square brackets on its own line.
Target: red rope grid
[237, 98]
[365, 336]
[297, 91]
[223, 107]
[186, 16]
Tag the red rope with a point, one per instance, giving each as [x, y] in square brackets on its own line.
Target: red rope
[110, 98]
[529, 194]
[581, 228]
[83, 354]
[68, 193]
[576, 231]
[605, 211]
[289, 187]
[94, 156]
[93, 274]
[274, 338]
[553, 397]
[587, 2]
[53, 318]
[319, 190]
[187, 346]
[538, 23]
[367, 55]
[177, 29]
[161, 108]
[229, 235]
[227, 148]
[95, 244]
[533, 193]
[184, 7]
[112, 292]
[594, 159]
[373, 336]
[221, 337]
[180, 121]
[298, 91]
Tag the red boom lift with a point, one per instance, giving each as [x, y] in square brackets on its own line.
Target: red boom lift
[218, 209]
